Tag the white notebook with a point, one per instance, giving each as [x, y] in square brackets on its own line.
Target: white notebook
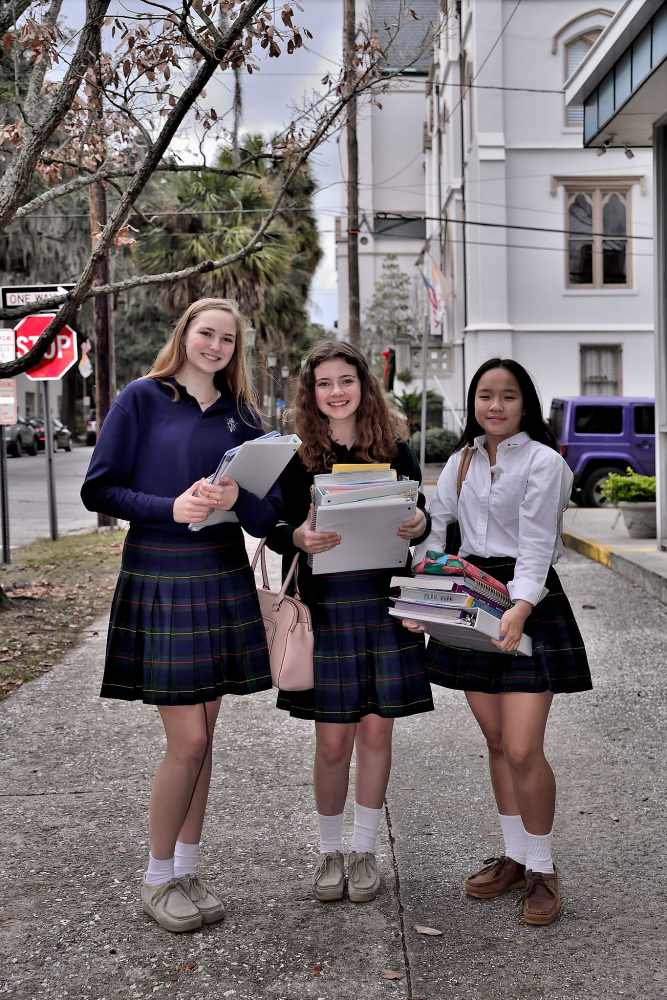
[254, 465]
[474, 630]
[368, 535]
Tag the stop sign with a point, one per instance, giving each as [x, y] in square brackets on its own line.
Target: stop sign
[60, 356]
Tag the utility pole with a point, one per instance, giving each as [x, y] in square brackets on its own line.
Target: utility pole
[349, 62]
[105, 368]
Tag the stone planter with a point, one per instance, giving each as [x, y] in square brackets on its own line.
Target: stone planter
[639, 517]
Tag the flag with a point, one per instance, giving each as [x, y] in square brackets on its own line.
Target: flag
[435, 289]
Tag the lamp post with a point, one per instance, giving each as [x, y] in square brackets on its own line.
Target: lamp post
[271, 361]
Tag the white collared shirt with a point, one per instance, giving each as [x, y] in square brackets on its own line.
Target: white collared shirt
[514, 508]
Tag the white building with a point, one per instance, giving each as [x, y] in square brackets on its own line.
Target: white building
[622, 84]
[542, 271]
[391, 165]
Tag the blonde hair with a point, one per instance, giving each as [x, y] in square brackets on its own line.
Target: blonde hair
[235, 375]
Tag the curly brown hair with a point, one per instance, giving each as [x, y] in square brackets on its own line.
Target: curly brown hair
[378, 429]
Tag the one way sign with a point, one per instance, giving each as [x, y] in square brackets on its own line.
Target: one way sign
[22, 295]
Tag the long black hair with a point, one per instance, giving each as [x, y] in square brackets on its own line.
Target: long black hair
[532, 421]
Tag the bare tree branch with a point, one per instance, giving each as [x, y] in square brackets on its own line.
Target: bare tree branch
[69, 306]
[19, 173]
[31, 103]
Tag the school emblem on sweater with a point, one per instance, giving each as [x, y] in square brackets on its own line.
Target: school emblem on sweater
[231, 424]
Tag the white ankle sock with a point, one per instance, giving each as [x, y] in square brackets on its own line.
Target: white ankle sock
[538, 853]
[514, 836]
[365, 831]
[331, 833]
[159, 870]
[186, 858]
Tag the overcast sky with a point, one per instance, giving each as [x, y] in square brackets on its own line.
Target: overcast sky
[269, 99]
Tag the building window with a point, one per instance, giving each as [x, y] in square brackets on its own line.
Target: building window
[597, 221]
[575, 52]
[601, 369]
[405, 229]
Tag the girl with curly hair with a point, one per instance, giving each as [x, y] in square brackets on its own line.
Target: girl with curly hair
[368, 670]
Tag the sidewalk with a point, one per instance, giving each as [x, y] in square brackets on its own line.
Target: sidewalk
[76, 773]
[600, 534]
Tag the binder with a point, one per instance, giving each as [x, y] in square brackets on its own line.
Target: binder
[470, 628]
[336, 494]
[368, 535]
[254, 465]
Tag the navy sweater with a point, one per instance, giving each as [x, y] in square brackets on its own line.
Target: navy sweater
[152, 448]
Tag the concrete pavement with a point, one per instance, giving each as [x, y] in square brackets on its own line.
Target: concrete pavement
[76, 775]
[600, 534]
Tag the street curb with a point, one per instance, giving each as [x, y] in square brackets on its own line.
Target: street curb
[648, 579]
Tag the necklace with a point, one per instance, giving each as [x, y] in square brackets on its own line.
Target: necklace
[207, 402]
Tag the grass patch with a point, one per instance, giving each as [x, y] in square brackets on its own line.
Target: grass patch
[56, 590]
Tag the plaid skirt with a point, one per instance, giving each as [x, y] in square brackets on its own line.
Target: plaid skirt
[365, 661]
[559, 662]
[185, 622]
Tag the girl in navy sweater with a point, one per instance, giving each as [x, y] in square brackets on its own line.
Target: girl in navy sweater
[185, 623]
[368, 670]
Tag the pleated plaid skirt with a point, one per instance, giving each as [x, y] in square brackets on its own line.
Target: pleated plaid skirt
[185, 623]
[365, 661]
[558, 664]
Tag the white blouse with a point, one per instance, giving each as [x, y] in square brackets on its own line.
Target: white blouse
[514, 508]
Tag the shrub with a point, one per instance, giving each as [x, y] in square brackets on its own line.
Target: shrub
[628, 487]
[439, 444]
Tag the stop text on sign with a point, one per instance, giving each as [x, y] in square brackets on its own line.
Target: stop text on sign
[60, 356]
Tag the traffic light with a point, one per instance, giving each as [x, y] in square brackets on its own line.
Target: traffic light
[389, 372]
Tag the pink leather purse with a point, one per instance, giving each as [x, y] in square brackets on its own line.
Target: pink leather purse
[289, 630]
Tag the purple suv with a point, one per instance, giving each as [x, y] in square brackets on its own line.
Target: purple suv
[602, 434]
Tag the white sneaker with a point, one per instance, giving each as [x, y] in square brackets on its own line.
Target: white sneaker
[169, 905]
[329, 878]
[363, 880]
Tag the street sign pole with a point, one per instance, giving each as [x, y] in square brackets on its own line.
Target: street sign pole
[51, 482]
[4, 498]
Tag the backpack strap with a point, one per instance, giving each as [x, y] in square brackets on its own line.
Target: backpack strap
[464, 465]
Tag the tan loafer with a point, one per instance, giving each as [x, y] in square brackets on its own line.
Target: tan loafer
[210, 906]
[329, 878]
[498, 876]
[541, 900]
[363, 879]
[170, 907]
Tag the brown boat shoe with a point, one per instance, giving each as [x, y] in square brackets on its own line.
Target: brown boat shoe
[541, 900]
[498, 876]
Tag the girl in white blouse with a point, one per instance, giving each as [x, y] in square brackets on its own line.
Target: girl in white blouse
[509, 512]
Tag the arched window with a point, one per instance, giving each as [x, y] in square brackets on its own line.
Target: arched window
[575, 51]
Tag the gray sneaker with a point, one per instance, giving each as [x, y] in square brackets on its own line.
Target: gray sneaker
[169, 905]
[363, 881]
[329, 878]
[198, 892]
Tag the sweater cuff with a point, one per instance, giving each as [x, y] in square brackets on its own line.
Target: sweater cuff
[162, 508]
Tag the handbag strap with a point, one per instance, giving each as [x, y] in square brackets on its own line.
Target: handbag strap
[292, 572]
[464, 465]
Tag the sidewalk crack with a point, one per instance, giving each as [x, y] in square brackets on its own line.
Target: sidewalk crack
[401, 910]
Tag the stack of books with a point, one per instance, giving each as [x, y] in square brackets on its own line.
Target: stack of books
[456, 602]
[365, 504]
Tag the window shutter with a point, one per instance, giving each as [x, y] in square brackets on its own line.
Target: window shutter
[574, 56]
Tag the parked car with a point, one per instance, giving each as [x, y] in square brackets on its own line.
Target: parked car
[91, 428]
[21, 437]
[62, 435]
[602, 434]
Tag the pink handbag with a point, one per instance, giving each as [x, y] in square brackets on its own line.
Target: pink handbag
[289, 630]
